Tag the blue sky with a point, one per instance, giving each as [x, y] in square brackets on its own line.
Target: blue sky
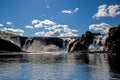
[58, 17]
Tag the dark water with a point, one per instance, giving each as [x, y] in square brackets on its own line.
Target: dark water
[57, 67]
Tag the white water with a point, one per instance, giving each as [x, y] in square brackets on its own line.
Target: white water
[38, 46]
[27, 43]
[98, 43]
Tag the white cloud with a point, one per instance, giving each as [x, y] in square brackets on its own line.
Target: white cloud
[52, 33]
[69, 11]
[40, 33]
[13, 31]
[113, 10]
[64, 28]
[48, 22]
[103, 27]
[52, 29]
[39, 25]
[44, 23]
[107, 11]
[70, 34]
[9, 23]
[74, 30]
[76, 9]
[58, 31]
[55, 34]
[35, 21]
[48, 34]
[28, 26]
[1, 25]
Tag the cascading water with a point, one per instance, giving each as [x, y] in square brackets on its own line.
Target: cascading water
[63, 44]
[41, 46]
[98, 43]
[27, 43]
[37, 45]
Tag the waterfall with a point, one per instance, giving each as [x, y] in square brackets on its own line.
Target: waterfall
[27, 43]
[98, 43]
[64, 44]
[41, 46]
[44, 45]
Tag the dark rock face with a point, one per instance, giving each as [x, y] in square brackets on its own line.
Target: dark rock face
[50, 40]
[113, 40]
[8, 46]
[78, 47]
[113, 46]
[114, 62]
[56, 41]
[82, 43]
[19, 39]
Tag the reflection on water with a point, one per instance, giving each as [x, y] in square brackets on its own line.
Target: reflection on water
[57, 67]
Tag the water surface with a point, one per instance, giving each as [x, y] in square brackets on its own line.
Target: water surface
[57, 67]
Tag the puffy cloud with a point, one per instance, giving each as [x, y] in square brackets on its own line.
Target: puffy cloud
[55, 34]
[103, 27]
[39, 25]
[52, 33]
[69, 11]
[28, 26]
[9, 23]
[104, 11]
[35, 21]
[113, 10]
[64, 28]
[48, 22]
[1, 25]
[48, 34]
[70, 34]
[13, 31]
[40, 33]
[52, 29]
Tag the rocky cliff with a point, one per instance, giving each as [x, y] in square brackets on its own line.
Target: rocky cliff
[113, 46]
[82, 43]
[8, 46]
[113, 40]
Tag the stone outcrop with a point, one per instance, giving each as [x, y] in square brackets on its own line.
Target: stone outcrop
[113, 46]
[113, 40]
[82, 43]
[8, 46]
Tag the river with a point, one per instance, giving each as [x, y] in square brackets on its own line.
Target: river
[35, 66]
